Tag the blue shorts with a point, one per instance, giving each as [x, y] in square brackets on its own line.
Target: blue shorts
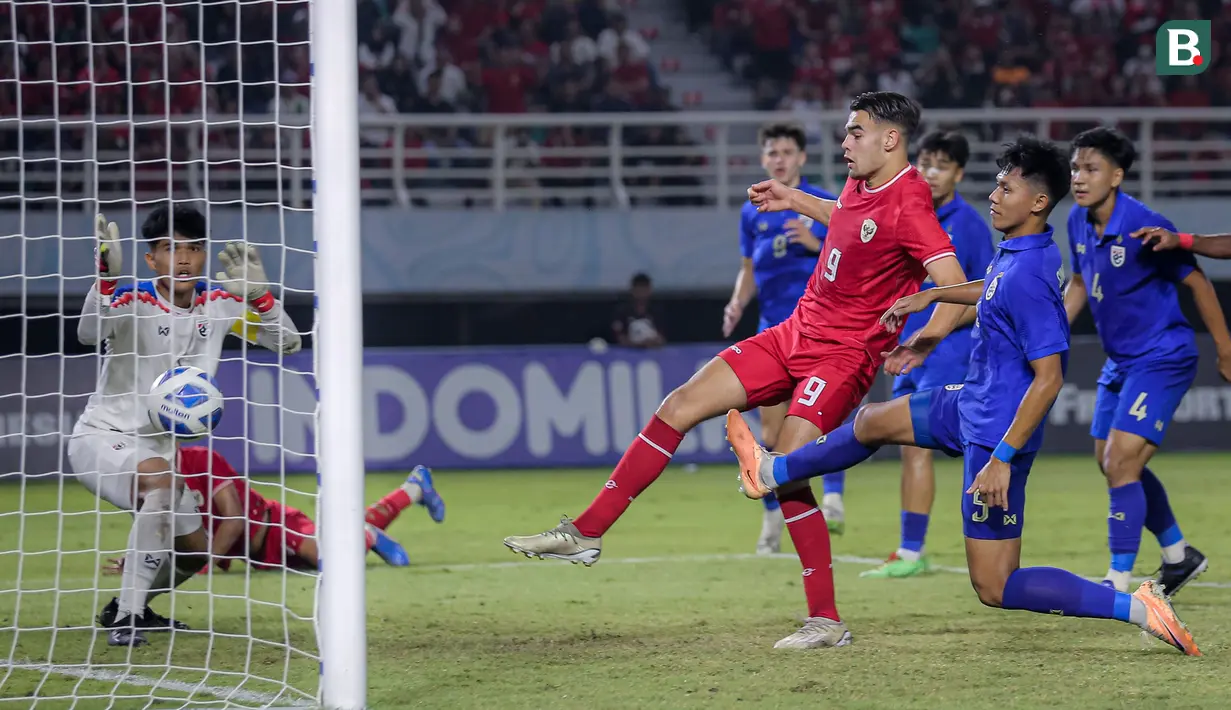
[929, 375]
[1141, 400]
[937, 425]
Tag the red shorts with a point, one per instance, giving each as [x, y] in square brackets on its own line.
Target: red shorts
[824, 381]
[286, 532]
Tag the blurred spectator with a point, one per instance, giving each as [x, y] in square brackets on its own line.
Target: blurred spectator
[507, 81]
[372, 102]
[418, 21]
[453, 87]
[609, 41]
[378, 50]
[583, 49]
[631, 76]
[636, 324]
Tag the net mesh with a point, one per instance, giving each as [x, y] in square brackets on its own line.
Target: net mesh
[114, 107]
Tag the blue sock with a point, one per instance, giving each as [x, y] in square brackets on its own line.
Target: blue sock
[1128, 515]
[770, 502]
[914, 530]
[1159, 518]
[838, 450]
[1048, 590]
[834, 482]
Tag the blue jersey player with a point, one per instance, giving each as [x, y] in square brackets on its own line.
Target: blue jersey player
[1151, 349]
[995, 419]
[779, 252]
[942, 161]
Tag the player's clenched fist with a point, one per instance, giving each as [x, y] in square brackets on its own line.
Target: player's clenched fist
[770, 196]
[108, 253]
[244, 275]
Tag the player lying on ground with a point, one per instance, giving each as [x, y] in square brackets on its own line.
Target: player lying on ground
[778, 257]
[1151, 350]
[883, 240]
[269, 534]
[146, 329]
[1215, 246]
[942, 161]
[995, 420]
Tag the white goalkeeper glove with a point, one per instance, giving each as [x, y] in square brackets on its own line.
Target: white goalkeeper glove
[244, 275]
[108, 253]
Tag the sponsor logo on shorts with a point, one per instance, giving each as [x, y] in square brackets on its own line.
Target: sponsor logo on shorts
[736, 349]
[1010, 519]
[164, 330]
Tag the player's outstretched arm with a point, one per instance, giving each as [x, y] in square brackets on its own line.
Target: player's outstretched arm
[1075, 297]
[1215, 246]
[1212, 315]
[993, 481]
[773, 196]
[741, 296]
[98, 319]
[229, 512]
[244, 276]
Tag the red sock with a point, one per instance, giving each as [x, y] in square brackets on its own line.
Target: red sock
[810, 534]
[640, 465]
[387, 509]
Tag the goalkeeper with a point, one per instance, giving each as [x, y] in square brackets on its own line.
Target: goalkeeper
[145, 329]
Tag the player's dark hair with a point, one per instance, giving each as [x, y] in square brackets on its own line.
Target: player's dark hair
[640, 280]
[186, 220]
[1041, 162]
[951, 143]
[889, 107]
[790, 131]
[1114, 145]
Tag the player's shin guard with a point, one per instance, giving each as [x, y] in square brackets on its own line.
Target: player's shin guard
[148, 550]
[640, 466]
[1128, 512]
[810, 535]
[1048, 590]
[836, 451]
[1160, 520]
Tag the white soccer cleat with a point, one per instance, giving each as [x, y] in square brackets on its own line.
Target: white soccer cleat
[772, 525]
[563, 542]
[834, 510]
[818, 632]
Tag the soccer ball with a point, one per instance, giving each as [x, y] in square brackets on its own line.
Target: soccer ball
[185, 402]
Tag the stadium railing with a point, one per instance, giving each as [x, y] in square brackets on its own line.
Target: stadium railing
[506, 161]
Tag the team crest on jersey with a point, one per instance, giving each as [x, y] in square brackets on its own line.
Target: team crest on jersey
[1117, 255]
[762, 226]
[953, 388]
[991, 288]
[203, 328]
[868, 231]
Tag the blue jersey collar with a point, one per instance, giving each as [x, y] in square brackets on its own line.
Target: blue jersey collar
[947, 210]
[1115, 225]
[1028, 241]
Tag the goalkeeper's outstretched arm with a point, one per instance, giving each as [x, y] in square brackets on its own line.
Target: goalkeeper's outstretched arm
[244, 277]
[99, 319]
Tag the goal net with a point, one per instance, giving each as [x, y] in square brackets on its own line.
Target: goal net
[115, 107]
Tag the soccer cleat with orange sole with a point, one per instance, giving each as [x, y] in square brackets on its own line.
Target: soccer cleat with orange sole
[1161, 620]
[754, 460]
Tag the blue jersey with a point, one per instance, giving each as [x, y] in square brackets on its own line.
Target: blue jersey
[781, 269]
[1131, 289]
[1020, 318]
[973, 242]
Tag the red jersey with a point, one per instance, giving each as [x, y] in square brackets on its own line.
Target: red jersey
[878, 244]
[205, 473]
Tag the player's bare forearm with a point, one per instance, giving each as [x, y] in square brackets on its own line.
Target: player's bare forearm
[745, 284]
[1075, 297]
[225, 537]
[811, 206]
[1210, 309]
[966, 294]
[1215, 246]
[1039, 397]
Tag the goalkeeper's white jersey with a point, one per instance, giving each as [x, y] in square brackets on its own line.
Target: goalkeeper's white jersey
[144, 335]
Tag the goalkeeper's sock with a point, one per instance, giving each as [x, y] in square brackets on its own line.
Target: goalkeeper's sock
[147, 552]
[172, 576]
[384, 511]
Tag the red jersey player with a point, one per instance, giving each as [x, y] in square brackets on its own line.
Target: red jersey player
[883, 240]
[269, 534]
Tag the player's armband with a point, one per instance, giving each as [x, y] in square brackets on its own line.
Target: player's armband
[247, 327]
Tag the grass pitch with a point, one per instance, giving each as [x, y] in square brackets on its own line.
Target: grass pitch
[676, 614]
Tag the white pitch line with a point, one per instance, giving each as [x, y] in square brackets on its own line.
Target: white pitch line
[729, 557]
[102, 674]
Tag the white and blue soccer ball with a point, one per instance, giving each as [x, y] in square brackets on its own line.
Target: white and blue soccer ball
[185, 402]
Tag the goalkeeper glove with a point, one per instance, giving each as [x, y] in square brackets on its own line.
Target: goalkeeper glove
[244, 275]
[108, 254]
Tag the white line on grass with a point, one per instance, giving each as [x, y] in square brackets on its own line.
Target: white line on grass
[102, 674]
[730, 557]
